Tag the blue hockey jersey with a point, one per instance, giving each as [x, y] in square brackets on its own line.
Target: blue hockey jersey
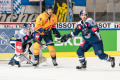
[93, 34]
[22, 36]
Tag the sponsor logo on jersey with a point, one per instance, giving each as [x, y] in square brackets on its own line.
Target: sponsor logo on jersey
[94, 29]
[19, 47]
[26, 38]
[37, 36]
[79, 27]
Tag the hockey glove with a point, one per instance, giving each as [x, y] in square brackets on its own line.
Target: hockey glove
[57, 34]
[64, 38]
[85, 32]
[46, 32]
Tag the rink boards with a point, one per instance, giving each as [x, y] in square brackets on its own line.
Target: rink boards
[110, 36]
[63, 54]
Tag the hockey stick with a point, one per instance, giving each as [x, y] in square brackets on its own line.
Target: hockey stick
[14, 49]
[54, 41]
[49, 42]
[46, 43]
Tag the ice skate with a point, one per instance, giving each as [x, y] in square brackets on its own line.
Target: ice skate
[36, 63]
[82, 66]
[54, 63]
[112, 62]
[14, 64]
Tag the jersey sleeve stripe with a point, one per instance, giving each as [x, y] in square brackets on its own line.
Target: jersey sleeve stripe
[72, 34]
[36, 28]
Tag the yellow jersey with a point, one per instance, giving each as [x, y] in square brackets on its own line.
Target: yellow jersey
[43, 21]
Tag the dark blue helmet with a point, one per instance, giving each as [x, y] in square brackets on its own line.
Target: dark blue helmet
[26, 25]
[48, 7]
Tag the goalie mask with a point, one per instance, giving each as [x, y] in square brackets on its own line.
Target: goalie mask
[27, 28]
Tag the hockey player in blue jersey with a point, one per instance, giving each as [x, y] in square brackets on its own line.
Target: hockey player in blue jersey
[92, 38]
[25, 36]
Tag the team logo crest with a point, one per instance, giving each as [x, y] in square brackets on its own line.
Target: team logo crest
[3, 44]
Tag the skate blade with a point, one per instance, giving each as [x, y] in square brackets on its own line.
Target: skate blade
[56, 66]
[44, 63]
[9, 66]
[16, 66]
[82, 69]
[35, 67]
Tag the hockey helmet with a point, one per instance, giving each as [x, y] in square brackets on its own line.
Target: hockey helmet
[48, 7]
[83, 12]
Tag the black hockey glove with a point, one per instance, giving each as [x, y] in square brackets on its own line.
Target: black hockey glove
[85, 31]
[46, 32]
[64, 38]
[57, 34]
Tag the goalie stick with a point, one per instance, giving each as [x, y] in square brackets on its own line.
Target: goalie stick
[20, 55]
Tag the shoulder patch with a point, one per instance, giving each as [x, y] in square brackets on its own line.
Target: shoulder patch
[79, 27]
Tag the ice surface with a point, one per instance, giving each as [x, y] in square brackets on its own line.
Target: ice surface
[66, 70]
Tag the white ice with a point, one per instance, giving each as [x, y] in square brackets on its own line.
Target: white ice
[66, 70]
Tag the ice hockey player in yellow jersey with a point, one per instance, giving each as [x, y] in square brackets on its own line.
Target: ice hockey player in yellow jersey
[45, 24]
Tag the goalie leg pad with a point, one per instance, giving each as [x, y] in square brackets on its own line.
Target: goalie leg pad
[13, 61]
[51, 49]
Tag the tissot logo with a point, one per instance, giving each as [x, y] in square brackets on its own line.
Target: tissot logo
[3, 44]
